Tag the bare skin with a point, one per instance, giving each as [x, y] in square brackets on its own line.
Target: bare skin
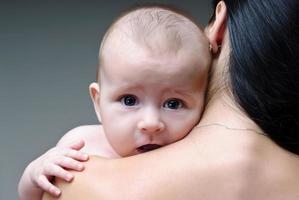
[223, 164]
[211, 163]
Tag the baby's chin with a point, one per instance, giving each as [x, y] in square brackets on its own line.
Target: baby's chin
[147, 147]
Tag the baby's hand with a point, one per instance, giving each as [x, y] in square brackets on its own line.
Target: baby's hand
[54, 163]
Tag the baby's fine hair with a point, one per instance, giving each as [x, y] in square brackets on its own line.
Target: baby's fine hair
[155, 27]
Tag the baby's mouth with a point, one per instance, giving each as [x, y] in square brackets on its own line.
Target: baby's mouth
[148, 147]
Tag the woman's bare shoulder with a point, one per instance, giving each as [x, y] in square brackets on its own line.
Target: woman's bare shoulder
[162, 174]
[189, 169]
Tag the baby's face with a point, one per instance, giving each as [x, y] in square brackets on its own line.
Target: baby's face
[148, 100]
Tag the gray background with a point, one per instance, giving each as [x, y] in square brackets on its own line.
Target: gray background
[48, 57]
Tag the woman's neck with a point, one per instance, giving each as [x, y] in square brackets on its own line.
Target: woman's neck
[221, 109]
[220, 105]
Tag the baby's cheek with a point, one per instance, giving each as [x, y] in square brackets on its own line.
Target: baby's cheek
[119, 131]
[184, 126]
[179, 130]
[117, 137]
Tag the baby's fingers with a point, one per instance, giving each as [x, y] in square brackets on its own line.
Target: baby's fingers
[77, 145]
[77, 155]
[44, 183]
[55, 170]
[70, 163]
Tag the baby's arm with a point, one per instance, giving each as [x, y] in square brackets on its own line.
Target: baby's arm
[38, 174]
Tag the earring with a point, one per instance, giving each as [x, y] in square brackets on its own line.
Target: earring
[210, 47]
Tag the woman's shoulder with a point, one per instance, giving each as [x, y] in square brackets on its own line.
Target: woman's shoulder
[258, 167]
[190, 169]
[167, 173]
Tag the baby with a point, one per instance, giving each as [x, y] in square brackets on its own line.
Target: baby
[154, 64]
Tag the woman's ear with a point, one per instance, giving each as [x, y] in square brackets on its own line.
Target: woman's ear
[94, 91]
[215, 30]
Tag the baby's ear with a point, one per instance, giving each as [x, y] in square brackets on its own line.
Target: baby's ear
[94, 91]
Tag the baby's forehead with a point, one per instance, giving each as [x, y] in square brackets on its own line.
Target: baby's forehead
[153, 32]
[140, 67]
[157, 29]
[131, 56]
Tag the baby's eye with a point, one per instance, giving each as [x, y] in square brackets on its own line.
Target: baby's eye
[129, 100]
[173, 104]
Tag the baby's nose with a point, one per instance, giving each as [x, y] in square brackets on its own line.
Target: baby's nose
[151, 124]
[151, 128]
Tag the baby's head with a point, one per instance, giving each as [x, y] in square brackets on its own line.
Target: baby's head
[154, 64]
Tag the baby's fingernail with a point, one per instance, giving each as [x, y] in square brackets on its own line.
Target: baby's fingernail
[69, 177]
[57, 192]
[80, 166]
[85, 156]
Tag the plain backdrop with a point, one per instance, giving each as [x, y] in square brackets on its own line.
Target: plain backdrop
[48, 57]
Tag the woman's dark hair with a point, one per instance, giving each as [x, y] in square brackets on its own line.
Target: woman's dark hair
[264, 70]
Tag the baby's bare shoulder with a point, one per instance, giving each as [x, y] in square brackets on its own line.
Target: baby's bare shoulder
[86, 132]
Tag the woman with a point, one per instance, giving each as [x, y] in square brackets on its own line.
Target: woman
[246, 145]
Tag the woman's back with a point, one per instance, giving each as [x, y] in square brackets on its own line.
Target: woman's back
[215, 164]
